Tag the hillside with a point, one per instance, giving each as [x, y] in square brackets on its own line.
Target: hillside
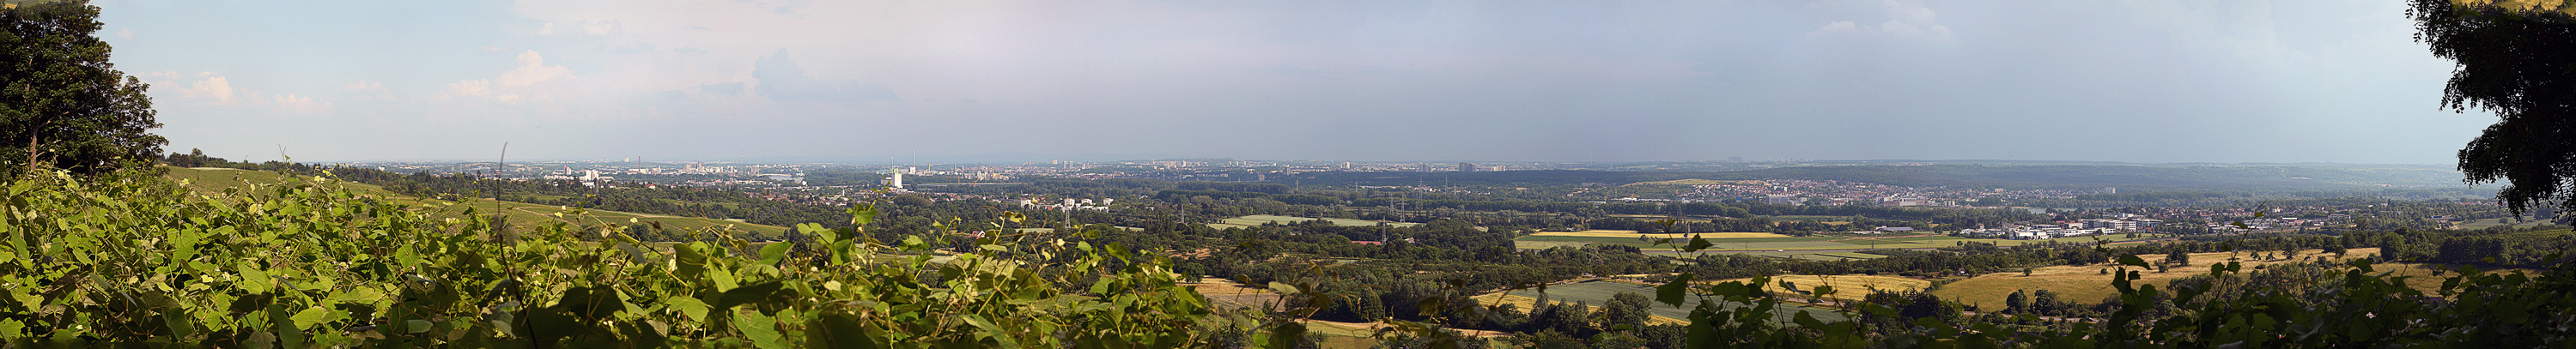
[209, 180]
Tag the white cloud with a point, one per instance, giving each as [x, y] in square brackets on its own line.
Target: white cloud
[221, 92]
[1840, 27]
[548, 30]
[363, 90]
[1906, 19]
[1910, 12]
[599, 27]
[299, 104]
[491, 49]
[125, 33]
[216, 87]
[531, 79]
[532, 70]
[469, 88]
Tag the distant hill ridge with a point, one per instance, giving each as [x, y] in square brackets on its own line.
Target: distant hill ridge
[2126, 177]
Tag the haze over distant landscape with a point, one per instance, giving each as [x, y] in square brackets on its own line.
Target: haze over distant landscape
[2161, 81]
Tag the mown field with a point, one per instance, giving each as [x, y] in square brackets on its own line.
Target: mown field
[1258, 220]
[215, 180]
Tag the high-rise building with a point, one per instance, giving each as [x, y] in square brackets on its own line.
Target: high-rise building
[1467, 167]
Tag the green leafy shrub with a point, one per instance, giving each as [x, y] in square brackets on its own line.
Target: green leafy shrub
[136, 260]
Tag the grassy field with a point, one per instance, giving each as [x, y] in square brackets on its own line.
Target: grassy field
[1258, 220]
[2087, 284]
[213, 180]
[1596, 293]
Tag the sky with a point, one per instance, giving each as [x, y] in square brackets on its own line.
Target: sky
[1363, 80]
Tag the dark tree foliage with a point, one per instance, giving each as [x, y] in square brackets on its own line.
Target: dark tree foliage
[2516, 62]
[62, 104]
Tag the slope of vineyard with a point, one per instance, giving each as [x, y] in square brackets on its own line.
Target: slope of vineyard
[213, 180]
[132, 260]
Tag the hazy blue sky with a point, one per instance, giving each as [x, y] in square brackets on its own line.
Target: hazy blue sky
[2145, 81]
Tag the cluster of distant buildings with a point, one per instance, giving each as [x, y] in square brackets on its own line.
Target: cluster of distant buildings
[1890, 200]
[2121, 224]
[587, 177]
[1070, 204]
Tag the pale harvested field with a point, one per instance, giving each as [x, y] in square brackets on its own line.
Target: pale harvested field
[1846, 287]
[1228, 293]
[2088, 285]
[1633, 233]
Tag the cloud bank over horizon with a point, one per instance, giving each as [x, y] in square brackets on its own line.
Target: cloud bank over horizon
[2176, 81]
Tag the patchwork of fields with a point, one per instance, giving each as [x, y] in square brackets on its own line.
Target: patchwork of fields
[1769, 244]
[2089, 284]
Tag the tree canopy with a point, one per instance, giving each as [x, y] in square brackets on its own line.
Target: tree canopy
[2517, 59]
[62, 104]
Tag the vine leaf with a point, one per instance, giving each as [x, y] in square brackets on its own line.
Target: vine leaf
[1672, 292]
[746, 295]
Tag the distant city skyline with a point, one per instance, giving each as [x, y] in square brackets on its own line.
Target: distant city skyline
[2146, 82]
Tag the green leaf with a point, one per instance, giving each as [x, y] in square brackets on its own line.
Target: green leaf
[311, 316]
[287, 335]
[775, 252]
[358, 295]
[407, 257]
[1808, 321]
[746, 295]
[1283, 288]
[181, 326]
[2133, 260]
[1697, 243]
[1673, 292]
[763, 330]
[862, 214]
[836, 330]
[253, 280]
[694, 308]
[724, 279]
[417, 326]
[1286, 335]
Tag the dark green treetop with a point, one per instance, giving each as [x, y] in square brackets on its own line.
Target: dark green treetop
[2517, 59]
[62, 104]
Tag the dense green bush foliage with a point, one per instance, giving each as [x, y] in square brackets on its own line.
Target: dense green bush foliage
[135, 259]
